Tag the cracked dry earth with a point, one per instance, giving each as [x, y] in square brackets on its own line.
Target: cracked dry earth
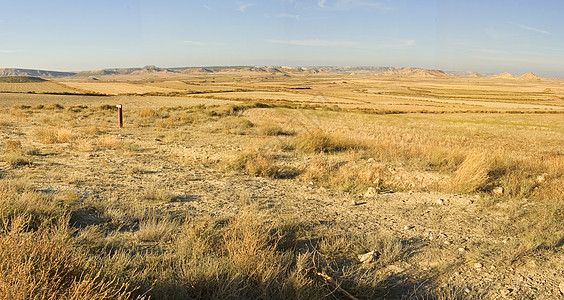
[450, 241]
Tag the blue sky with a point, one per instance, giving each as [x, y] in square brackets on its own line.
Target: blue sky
[491, 36]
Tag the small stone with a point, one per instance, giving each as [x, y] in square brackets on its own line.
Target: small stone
[467, 290]
[561, 286]
[447, 242]
[541, 178]
[506, 292]
[441, 201]
[370, 160]
[478, 266]
[371, 192]
[498, 190]
[461, 249]
[407, 227]
[368, 257]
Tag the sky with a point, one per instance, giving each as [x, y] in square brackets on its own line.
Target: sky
[492, 36]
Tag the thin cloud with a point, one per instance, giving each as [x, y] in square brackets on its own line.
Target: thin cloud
[288, 16]
[531, 28]
[206, 7]
[314, 43]
[241, 6]
[193, 43]
[348, 4]
[7, 51]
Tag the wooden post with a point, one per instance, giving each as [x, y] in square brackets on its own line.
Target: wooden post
[120, 116]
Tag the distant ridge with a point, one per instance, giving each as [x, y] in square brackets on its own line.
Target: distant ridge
[415, 72]
[273, 70]
[526, 76]
[37, 73]
[463, 73]
[504, 75]
[20, 79]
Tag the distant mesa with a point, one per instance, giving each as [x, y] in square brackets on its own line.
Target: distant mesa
[415, 72]
[271, 70]
[28, 72]
[150, 70]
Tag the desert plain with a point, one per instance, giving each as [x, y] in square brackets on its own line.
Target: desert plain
[282, 183]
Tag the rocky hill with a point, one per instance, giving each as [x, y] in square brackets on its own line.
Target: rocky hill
[504, 75]
[415, 72]
[529, 76]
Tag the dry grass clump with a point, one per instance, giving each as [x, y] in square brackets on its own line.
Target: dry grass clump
[319, 141]
[273, 130]
[236, 125]
[148, 113]
[13, 146]
[246, 257]
[17, 198]
[155, 193]
[156, 229]
[54, 106]
[472, 175]
[53, 135]
[349, 176]
[260, 163]
[43, 265]
[21, 106]
[16, 159]
[108, 142]
[95, 130]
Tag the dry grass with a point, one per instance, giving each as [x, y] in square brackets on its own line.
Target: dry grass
[156, 230]
[236, 125]
[43, 265]
[133, 231]
[16, 159]
[263, 164]
[472, 175]
[52, 135]
[319, 141]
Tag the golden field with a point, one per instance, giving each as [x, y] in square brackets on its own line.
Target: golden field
[282, 186]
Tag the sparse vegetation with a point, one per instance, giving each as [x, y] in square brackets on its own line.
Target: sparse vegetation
[20, 79]
[207, 194]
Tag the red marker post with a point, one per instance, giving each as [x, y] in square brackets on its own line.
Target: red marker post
[120, 116]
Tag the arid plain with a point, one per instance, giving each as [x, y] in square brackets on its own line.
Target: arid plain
[284, 183]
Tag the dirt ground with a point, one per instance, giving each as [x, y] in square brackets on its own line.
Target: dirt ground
[454, 242]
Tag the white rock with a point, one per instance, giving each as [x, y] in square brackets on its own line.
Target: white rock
[541, 178]
[441, 201]
[368, 257]
[478, 265]
[498, 190]
[371, 192]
